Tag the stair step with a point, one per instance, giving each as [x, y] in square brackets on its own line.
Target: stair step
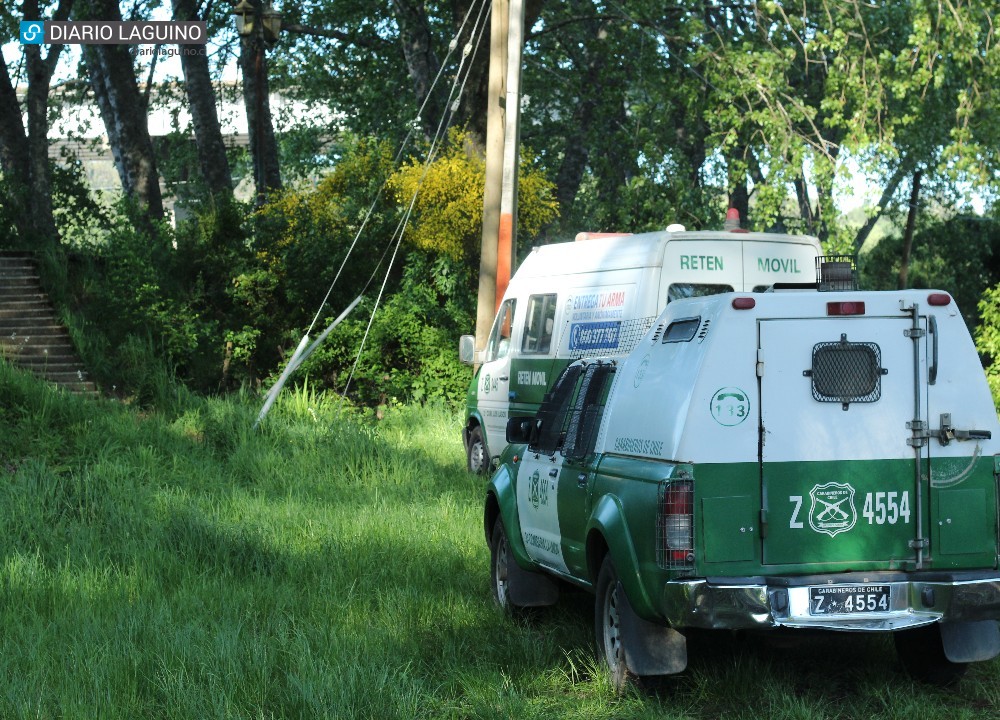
[66, 365]
[64, 376]
[36, 343]
[12, 328]
[25, 301]
[31, 336]
[8, 272]
[31, 313]
[85, 387]
[18, 338]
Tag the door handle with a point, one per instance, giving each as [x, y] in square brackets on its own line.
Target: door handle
[505, 378]
[933, 370]
[553, 472]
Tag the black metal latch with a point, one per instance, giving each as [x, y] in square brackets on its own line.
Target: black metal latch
[945, 434]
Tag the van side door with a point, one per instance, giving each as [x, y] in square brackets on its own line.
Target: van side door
[494, 378]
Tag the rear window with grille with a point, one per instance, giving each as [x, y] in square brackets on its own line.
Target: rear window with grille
[846, 372]
[588, 407]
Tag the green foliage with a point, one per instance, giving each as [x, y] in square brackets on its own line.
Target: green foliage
[411, 352]
[960, 255]
[988, 338]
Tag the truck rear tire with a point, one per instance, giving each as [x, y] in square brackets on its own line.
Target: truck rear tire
[607, 626]
[500, 560]
[921, 652]
[478, 454]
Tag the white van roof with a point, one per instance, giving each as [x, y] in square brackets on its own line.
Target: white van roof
[633, 251]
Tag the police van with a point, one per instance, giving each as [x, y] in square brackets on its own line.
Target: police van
[789, 460]
[599, 295]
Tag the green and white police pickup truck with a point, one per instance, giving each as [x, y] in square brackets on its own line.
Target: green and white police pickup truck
[791, 459]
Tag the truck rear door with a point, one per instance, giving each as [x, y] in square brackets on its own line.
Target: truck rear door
[839, 470]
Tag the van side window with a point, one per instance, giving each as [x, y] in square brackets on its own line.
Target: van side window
[679, 291]
[682, 330]
[588, 407]
[498, 345]
[539, 324]
[551, 417]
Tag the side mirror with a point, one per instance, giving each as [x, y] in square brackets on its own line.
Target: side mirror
[467, 349]
[520, 430]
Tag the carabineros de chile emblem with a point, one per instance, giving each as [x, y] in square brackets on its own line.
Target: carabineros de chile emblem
[832, 508]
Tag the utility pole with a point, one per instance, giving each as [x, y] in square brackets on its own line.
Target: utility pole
[499, 238]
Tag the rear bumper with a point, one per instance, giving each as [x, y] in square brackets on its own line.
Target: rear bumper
[716, 603]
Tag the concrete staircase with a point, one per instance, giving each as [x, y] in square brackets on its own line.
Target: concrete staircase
[31, 337]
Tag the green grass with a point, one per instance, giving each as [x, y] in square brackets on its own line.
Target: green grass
[177, 564]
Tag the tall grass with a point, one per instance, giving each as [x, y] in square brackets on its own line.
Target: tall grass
[180, 565]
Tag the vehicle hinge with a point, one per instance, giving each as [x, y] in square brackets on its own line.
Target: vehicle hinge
[919, 543]
[914, 332]
[763, 523]
[760, 362]
[920, 436]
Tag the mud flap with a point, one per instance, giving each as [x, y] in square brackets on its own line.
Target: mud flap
[530, 589]
[650, 649]
[966, 642]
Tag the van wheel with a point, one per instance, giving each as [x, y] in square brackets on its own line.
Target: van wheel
[479, 456]
[607, 626]
[922, 654]
[500, 560]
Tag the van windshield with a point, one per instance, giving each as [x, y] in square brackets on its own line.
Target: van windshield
[679, 291]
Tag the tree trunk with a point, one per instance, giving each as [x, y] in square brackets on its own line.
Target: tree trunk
[112, 78]
[739, 196]
[202, 103]
[911, 221]
[13, 152]
[805, 204]
[887, 193]
[421, 62]
[40, 172]
[263, 145]
[25, 157]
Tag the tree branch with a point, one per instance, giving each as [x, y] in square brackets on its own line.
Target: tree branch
[360, 41]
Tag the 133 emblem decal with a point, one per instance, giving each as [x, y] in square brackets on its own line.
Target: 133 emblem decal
[832, 508]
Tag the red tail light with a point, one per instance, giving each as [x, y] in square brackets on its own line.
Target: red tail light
[939, 299]
[845, 308]
[676, 524]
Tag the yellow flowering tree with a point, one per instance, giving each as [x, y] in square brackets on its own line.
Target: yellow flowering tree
[448, 211]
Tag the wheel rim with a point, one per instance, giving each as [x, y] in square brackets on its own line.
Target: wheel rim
[612, 629]
[500, 573]
[476, 459]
